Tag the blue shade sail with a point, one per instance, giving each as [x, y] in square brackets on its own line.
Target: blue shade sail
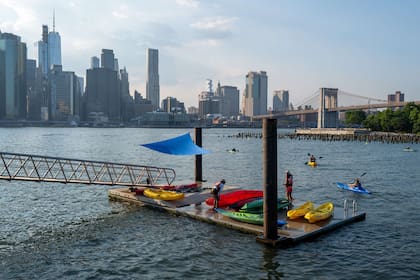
[181, 145]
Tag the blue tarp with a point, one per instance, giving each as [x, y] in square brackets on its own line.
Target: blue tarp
[181, 145]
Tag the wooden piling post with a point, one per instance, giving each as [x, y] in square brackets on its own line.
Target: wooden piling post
[198, 158]
[270, 178]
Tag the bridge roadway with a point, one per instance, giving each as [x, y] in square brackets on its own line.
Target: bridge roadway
[338, 109]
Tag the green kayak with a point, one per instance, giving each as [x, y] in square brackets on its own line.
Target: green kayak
[249, 218]
[257, 206]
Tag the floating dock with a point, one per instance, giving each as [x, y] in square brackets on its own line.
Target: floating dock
[193, 205]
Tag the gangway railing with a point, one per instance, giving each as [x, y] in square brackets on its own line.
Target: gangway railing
[27, 167]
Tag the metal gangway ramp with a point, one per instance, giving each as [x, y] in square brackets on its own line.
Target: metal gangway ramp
[27, 167]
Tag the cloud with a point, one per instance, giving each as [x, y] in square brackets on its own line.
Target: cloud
[122, 12]
[215, 27]
[187, 3]
[24, 16]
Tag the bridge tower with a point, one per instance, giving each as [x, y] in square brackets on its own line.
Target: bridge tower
[328, 100]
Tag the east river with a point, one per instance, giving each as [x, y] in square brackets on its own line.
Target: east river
[58, 231]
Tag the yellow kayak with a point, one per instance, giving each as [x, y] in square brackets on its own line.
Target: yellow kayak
[312, 163]
[300, 210]
[162, 194]
[324, 211]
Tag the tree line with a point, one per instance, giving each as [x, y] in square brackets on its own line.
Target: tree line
[403, 120]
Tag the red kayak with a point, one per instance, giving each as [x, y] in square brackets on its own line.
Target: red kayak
[193, 187]
[230, 198]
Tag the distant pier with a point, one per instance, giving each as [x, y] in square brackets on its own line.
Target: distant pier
[327, 134]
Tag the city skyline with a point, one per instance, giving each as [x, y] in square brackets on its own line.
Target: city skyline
[368, 48]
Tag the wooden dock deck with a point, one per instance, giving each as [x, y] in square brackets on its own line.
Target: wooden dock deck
[193, 205]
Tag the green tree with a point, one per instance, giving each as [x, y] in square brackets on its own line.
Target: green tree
[355, 117]
[406, 119]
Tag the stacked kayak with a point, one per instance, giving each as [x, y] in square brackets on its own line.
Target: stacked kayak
[323, 212]
[301, 210]
[227, 199]
[162, 194]
[193, 187]
[358, 189]
[257, 206]
[249, 218]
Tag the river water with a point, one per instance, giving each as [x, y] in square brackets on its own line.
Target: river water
[57, 231]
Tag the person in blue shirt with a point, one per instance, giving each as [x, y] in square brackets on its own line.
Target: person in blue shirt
[216, 190]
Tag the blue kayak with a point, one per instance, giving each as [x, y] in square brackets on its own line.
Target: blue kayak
[355, 189]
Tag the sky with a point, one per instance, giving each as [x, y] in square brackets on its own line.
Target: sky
[364, 47]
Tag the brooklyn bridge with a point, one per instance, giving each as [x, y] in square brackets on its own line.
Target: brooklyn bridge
[324, 108]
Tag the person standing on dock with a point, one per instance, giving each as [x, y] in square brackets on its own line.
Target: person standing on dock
[288, 183]
[216, 190]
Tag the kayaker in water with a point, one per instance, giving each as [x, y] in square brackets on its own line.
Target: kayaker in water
[288, 183]
[312, 158]
[355, 184]
[216, 190]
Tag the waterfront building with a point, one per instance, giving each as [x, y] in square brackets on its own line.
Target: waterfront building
[141, 104]
[229, 97]
[255, 94]
[281, 101]
[33, 100]
[65, 95]
[208, 103]
[127, 102]
[172, 105]
[103, 96]
[152, 77]
[13, 89]
[397, 97]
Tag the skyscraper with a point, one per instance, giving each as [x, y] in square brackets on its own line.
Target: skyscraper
[230, 100]
[103, 94]
[12, 77]
[65, 89]
[94, 62]
[108, 59]
[54, 48]
[49, 54]
[281, 101]
[255, 94]
[152, 77]
[43, 52]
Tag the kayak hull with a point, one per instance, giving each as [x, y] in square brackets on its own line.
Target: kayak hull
[162, 194]
[312, 163]
[249, 218]
[257, 206]
[355, 189]
[227, 199]
[300, 211]
[323, 212]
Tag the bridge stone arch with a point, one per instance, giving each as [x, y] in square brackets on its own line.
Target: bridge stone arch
[327, 100]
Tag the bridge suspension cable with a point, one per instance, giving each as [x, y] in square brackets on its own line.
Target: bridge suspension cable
[309, 99]
[360, 96]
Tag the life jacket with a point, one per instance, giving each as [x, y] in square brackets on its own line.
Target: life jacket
[289, 180]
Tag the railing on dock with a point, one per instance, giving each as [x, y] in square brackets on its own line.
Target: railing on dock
[27, 167]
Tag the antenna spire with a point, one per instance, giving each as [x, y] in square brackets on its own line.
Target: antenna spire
[54, 20]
